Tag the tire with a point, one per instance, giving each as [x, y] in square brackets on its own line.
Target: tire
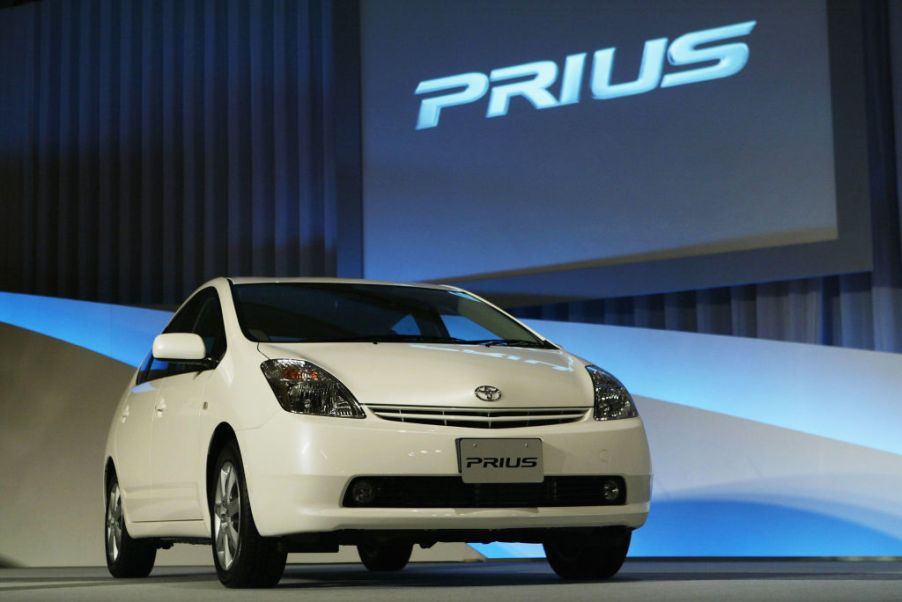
[387, 557]
[242, 557]
[598, 555]
[125, 557]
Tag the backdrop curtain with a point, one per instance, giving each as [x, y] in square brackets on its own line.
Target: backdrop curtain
[148, 146]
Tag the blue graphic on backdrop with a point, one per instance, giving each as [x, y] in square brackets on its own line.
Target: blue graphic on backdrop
[118, 331]
[695, 48]
[760, 448]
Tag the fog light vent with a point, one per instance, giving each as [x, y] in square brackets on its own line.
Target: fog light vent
[610, 489]
[363, 493]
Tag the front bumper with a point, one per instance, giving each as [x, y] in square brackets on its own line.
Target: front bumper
[298, 467]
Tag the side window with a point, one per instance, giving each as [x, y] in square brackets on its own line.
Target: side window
[186, 318]
[202, 315]
[143, 370]
[159, 369]
[210, 328]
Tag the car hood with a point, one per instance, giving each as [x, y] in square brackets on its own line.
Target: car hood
[426, 374]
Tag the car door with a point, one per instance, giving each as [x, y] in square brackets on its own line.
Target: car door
[178, 456]
[133, 465]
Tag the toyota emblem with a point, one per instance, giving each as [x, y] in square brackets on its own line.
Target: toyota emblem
[488, 393]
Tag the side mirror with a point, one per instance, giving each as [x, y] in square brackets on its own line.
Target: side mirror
[182, 347]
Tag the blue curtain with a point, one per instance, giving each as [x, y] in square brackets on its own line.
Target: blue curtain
[148, 146]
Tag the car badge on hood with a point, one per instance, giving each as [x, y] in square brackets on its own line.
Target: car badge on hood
[488, 393]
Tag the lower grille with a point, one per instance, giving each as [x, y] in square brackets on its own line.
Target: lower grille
[452, 492]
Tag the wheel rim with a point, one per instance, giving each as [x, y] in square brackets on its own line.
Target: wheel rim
[227, 514]
[114, 525]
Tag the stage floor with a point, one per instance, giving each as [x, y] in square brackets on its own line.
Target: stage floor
[494, 581]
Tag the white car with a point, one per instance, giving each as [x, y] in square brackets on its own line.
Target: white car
[297, 415]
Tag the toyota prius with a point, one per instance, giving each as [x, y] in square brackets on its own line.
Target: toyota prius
[297, 415]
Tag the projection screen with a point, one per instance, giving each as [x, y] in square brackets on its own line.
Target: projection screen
[604, 147]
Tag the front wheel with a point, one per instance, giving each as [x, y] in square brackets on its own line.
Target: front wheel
[242, 557]
[388, 557]
[125, 557]
[598, 555]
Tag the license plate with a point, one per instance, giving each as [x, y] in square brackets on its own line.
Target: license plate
[500, 460]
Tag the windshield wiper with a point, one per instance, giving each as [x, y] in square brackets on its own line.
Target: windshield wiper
[420, 338]
[508, 343]
[389, 338]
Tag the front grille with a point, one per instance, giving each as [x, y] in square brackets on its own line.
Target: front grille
[501, 418]
[452, 492]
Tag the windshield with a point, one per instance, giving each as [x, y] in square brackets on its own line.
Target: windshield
[327, 312]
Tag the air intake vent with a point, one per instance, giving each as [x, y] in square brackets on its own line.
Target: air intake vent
[452, 492]
[501, 418]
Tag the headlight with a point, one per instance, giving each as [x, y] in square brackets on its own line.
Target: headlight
[305, 388]
[612, 400]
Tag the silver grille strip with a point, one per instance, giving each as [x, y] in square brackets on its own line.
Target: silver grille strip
[477, 418]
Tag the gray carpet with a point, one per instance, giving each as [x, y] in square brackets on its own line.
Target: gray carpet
[491, 581]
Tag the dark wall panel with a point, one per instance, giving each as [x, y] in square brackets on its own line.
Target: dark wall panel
[15, 53]
[862, 310]
[150, 145]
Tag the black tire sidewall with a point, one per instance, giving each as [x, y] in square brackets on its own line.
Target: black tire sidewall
[388, 557]
[136, 556]
[596, 556]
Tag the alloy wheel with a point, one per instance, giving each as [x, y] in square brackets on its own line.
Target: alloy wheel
[227, 514]
[114, 523]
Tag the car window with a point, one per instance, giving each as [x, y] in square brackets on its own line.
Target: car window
[186, 317]
[144, 369]
[406, 325]
[202, 315]
[462, 327]
[319, 312]
[210, 328]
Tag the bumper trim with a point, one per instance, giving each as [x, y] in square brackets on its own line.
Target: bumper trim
[329, 541]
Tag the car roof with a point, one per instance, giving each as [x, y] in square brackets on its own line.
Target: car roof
[312, 280]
